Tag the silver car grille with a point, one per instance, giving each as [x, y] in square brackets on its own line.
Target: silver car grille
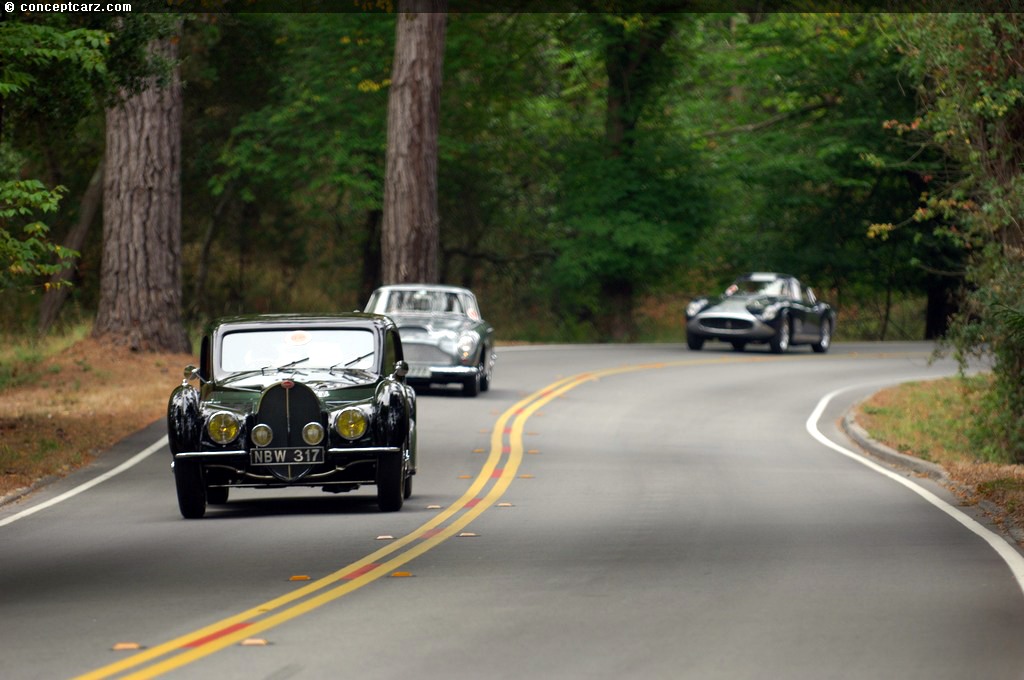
[416, 353]
[727, 323]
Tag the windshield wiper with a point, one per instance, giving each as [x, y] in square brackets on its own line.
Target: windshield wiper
[284, 366]
[349, 363]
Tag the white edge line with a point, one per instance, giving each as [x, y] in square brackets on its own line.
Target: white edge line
[131, 462]
[1014, 560]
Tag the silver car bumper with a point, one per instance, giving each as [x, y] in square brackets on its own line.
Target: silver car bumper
[440, 374]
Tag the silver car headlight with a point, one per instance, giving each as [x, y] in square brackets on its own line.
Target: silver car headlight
[467, 344]
[693, 309]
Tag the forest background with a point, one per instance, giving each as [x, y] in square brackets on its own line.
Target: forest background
[596, 171]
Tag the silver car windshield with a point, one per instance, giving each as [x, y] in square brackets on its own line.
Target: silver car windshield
[296, 348]
[431, 301]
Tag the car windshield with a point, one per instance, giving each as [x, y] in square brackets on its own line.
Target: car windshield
[297, 348]
[432, 301]
[770, 287]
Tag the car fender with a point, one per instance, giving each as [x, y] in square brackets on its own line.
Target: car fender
[184, 422]
[393, 415]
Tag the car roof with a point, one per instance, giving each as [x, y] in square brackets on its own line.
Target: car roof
[345, 320]
[425, 286]
[765, 276]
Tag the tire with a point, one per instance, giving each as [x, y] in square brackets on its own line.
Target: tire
[391, 480]
[471, 387]
[485, 378]
[824, 337]
[694, 342]
[408, 488]
[188, 481]
[780, 341]
[216, 495]
[739, 345]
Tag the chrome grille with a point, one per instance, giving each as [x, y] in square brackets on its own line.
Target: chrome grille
[727, 324]
[416, 353]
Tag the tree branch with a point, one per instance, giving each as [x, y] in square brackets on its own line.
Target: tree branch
[827, 102]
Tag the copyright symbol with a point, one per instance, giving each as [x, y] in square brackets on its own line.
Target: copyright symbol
[9, 6]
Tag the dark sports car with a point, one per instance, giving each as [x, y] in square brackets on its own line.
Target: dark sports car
[762, 307]
[290, 400]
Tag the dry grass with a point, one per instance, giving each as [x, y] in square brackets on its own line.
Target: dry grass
[928, 421]
[77, 403]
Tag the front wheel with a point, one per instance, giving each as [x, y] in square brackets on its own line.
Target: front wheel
[485, 378]
[471, 387]
[694, 341]
[780, 341]
[391, 482]
[188, 481]
[824, 338]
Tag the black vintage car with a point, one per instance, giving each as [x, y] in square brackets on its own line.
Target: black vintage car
[294, 400]
[762, 307]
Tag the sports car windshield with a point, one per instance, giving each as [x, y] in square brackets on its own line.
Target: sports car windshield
[270, 350]
[424, 301]
[773, 287]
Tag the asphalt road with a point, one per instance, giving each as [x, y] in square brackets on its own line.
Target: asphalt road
[602, 512]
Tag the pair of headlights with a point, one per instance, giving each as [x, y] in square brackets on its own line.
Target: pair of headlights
[223, 428]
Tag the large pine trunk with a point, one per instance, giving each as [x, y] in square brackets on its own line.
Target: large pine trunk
[140, 284]
[410, 238]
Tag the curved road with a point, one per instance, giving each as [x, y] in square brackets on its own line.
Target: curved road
[602, 512]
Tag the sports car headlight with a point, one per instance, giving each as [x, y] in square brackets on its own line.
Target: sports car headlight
[693, 309]
[262, 435]
[351, 423]
[223, 427]
[313, 433]
[467, 343]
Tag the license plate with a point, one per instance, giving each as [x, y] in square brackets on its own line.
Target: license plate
[418, 373]
[292, 456]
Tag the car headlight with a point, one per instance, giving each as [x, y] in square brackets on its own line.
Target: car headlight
[223, 427]
[694, 307]
[769, 312]
[351, 423]
[313, 433]
[262, 435]
[467, 343]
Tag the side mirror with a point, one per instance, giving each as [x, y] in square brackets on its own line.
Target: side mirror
[192, 373]
[401, 369]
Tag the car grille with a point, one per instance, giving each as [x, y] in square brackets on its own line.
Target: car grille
[416, 353]
[728, 324]
[287, 410]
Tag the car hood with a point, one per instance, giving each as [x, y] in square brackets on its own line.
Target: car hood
[333, 394]
[430, 324]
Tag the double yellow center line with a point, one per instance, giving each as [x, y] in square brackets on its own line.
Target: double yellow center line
[506, 451]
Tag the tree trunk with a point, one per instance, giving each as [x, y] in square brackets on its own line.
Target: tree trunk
[57, 293]
[140, 285]
[410, 232]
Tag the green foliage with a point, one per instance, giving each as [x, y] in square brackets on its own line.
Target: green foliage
[793, 116]
[25, 251]
[971, 78]
[29, 54]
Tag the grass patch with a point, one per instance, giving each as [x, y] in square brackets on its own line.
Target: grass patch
[934, 421]
[926, 419]
[22, 357]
